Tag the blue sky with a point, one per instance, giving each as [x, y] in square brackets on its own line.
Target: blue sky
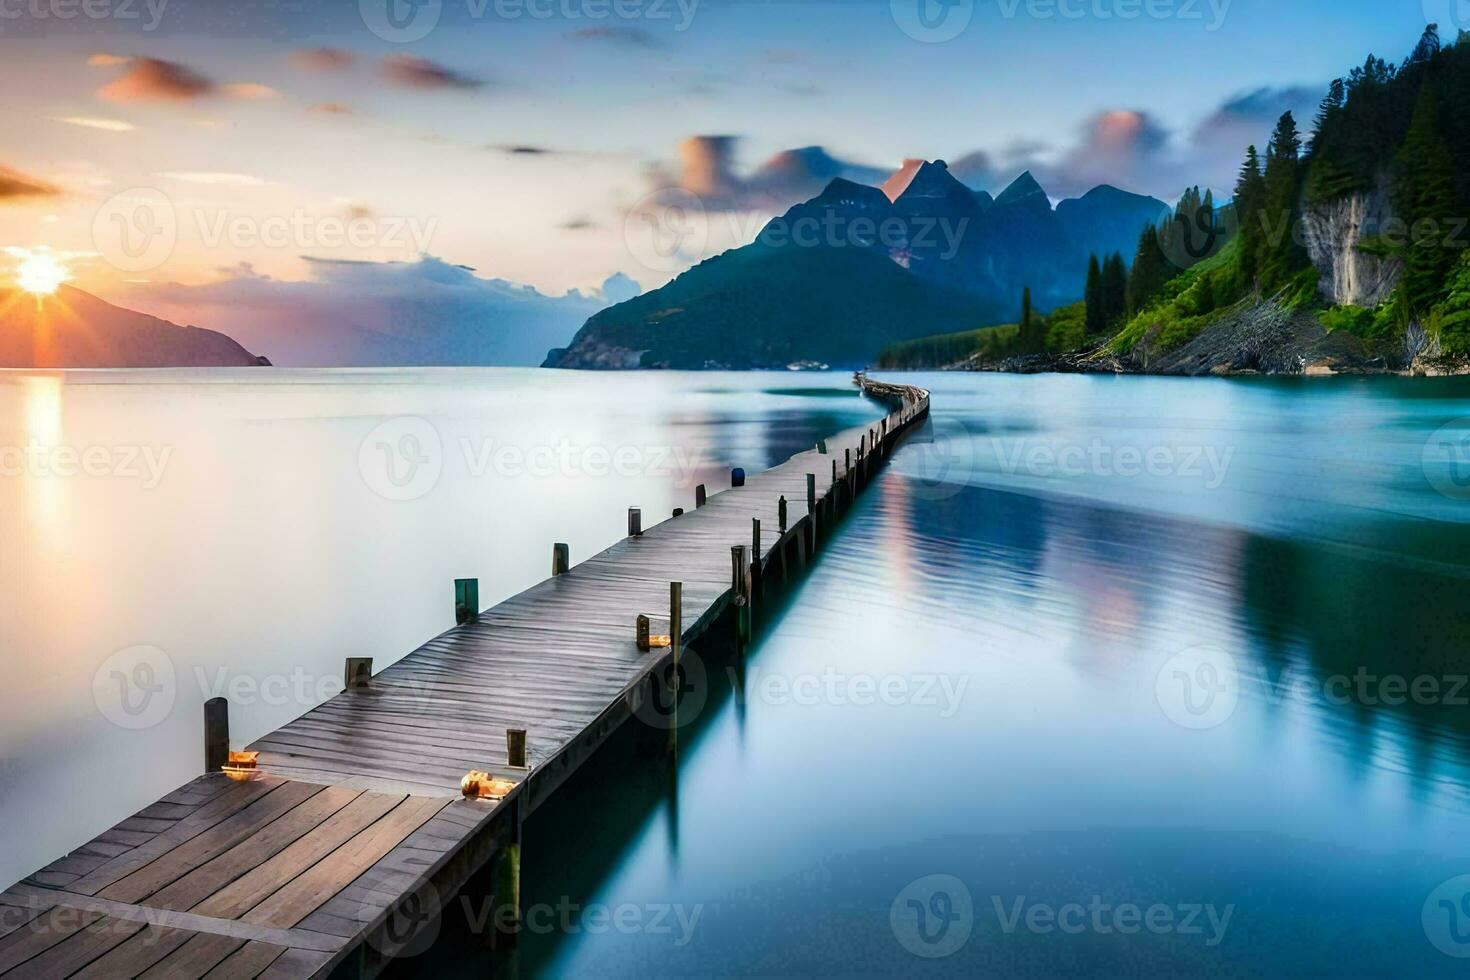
[1083, 96]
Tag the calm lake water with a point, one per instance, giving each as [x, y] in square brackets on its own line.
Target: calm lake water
[1103, 677]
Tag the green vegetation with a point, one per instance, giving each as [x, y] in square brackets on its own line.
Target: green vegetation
[992, 343]
[1380, 120]
[1399, 124]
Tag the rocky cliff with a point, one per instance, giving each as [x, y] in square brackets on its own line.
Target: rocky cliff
[1334, 232]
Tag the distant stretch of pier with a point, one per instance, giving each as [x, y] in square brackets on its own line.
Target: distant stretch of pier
[305, 853]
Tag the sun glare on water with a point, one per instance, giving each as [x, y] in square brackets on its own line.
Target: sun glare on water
[41, 274]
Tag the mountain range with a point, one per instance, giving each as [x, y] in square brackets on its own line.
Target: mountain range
[859, 266]
[74, 329]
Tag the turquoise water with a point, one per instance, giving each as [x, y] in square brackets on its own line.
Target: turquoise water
[1103, 676]
[1195, 720]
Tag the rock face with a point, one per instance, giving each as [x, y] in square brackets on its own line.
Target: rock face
[1333, 232]
[73, 329]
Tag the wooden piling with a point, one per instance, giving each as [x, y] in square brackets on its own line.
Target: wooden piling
[561, 559]
[781, 514]
[216, 734]
[755, 557]
[505, 922]
[466, 600]
[640, 633]
[699, 496]
[515, 748]
[635, 522]
[357, 673]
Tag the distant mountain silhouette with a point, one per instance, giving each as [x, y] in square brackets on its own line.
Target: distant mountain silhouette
[73, 329]
[858, 264]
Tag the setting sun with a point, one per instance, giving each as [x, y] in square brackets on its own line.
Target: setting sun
[41, 273]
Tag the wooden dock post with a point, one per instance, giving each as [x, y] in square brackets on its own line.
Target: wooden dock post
[781, 514]
[561, 559]
[811, 510]
[822, 446]
[466, 600]
[737, 477]
[357, 673]
[640, 633]
[515, 748]
[216, 734]
[740, 586]
[699, 496]
[755, 557]
[635, 522]
[505, 922]
[676, 641]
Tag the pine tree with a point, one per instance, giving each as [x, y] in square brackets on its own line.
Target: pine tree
[1027, 333]
[1149, 271]
[1425, 199]
[1114, 289]
[1428, 47]
[1095, 320]
[1277, 254]
[1250, 194]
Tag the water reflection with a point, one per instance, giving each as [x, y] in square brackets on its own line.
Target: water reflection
[1320, 810]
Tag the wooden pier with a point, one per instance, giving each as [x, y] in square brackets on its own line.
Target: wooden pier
[352, 829]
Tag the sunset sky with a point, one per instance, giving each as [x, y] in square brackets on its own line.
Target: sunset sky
[516, 144]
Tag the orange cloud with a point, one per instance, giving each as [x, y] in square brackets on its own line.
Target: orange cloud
[412, 72]
[15, 185]
[322, 59]
[156, 80]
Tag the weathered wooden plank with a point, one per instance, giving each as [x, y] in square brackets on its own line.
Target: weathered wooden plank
[314, 887]
[77, 950]
[254, 851]
[195, 958]
[135, 955]
[210, 844]
[40, 934]
[246, 892]
[91, 905]
[294, 964]
[235, 797]
[248, 961]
